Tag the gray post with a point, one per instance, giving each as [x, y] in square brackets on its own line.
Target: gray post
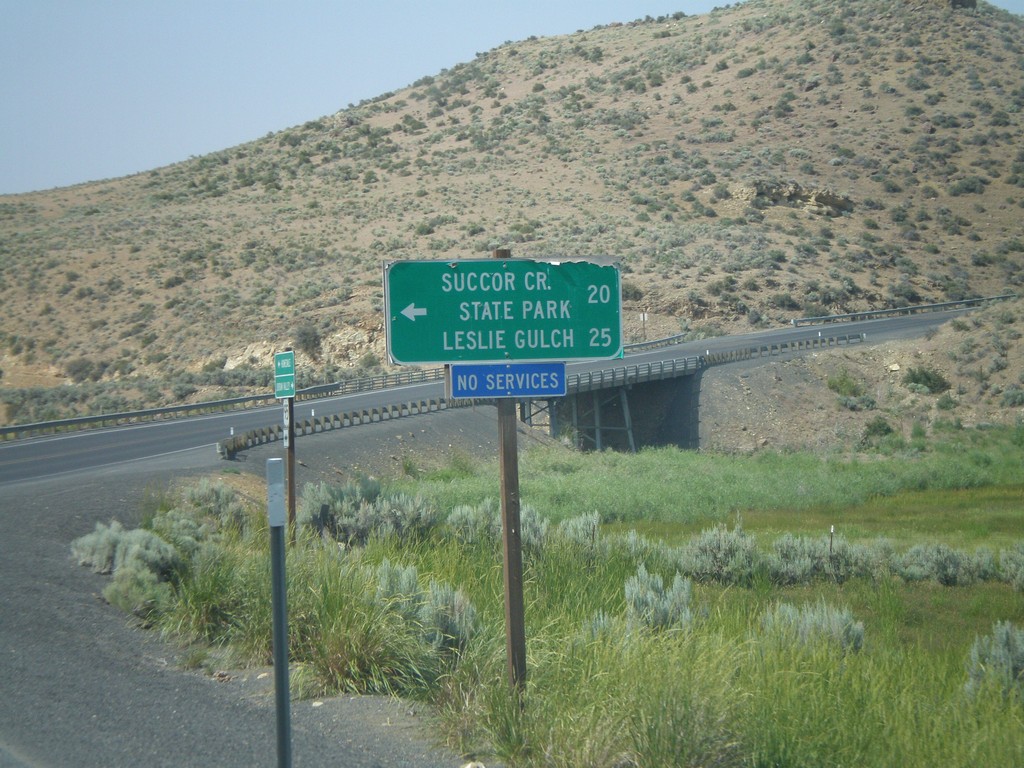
[289, 442]
[278, 518]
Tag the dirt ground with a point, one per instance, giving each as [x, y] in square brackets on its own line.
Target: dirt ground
[786, 404]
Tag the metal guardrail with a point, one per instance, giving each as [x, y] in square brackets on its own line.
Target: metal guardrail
[213, 406]
[785, 347]
[230, 447]
[427, 374]
[668, 341]
[346, 387]
[896, 311]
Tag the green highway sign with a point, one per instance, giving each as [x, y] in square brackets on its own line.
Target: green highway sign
[499, 310]
[284, 375]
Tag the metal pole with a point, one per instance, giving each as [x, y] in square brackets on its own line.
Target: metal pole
[276, 515]
[291, 466]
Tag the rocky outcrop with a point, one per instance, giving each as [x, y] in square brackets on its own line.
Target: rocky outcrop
[954, 4]
[823, 202]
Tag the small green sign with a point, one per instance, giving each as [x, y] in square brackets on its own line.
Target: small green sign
[499, 310]
[284, 375]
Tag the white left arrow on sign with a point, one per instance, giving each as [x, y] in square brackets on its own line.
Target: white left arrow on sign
[412, 311]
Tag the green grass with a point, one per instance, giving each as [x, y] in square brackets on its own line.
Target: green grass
[672, 487]
[966, 519]
[603, 689]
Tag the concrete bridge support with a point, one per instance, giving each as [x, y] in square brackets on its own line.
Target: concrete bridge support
[671, 411]
[601, 419]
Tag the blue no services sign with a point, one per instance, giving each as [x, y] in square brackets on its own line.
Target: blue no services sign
[508, 380]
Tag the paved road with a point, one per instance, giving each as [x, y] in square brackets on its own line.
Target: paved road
[88, 449]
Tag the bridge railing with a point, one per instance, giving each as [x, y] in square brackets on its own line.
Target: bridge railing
[606, 378]
[629, 374]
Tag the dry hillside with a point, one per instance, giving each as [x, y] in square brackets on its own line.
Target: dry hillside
[773, 159]
[850, 397]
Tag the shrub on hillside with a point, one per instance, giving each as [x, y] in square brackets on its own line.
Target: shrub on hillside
[144, 549]
[138, 591]
[205, 511]
[476, 524]
[403, 516]
[323, 505]
[219, 501]
[933, 381]
[140, 560]
[862, 403]
[874, 430]
[399, 588]
[351, 519]
[97, 549]
[83, 369]
[1011, 566]
[974, 185]
[308, 341]
[1013, 397]
[184, 528]
[533, 529]
[984, 564]
[799, 559]
[583, 530]
[844, 385]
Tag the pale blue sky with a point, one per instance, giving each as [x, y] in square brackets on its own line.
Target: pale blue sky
[95, 89]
